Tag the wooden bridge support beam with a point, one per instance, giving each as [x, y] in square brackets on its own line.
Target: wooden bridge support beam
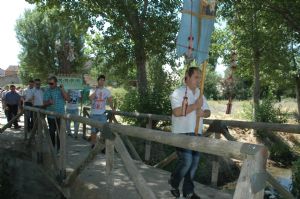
[63, 153]
[109, 155]
[11, 121]
[252, 180]
[215, 166]
[39, 140]
[50, 145]
[148, 143]
[139, 181]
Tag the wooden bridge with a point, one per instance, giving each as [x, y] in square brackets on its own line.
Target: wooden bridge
[79, 172]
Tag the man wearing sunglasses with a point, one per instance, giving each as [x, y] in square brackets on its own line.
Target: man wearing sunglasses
[54, 100]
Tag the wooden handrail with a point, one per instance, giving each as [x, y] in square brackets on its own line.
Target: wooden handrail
[288, 128]
[232, 149]
[11, 121]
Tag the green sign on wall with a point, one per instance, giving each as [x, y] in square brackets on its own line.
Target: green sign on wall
[71, 82]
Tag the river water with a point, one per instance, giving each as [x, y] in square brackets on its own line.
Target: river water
[282, 175]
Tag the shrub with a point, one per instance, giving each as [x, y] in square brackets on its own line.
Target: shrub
[281, 153]
[156, 99]
[267, 112]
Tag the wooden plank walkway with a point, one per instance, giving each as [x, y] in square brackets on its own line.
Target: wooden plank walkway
[91, 183]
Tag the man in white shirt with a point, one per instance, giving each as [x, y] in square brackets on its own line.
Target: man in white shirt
[28, 99]
[184, 122]
[99, 96]
[6, 90]
[73, 109]
[38, 94]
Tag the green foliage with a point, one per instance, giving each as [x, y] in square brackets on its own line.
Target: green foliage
[132, 33]
[46, 38]
[264, 43]
[118, 95]
[280, 152]
[212, 85]
[156, 100]
[296, 178]
[268, 113]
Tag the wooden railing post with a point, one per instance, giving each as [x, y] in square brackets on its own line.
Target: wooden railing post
[148, 143]
[62, 157]
[25, 125]
[109, 155]
[84, 125]
[215, 166]
[50, 145]
[252, 180]
[39, 139]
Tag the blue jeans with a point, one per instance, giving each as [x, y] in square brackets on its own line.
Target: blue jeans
[186, 167]
[100, 118]
[76, 124]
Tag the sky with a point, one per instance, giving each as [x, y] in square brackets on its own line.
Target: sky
[10, 11]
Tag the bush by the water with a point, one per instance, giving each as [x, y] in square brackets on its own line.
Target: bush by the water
[268, 112]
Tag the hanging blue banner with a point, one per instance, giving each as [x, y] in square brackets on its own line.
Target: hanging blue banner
[197, 25]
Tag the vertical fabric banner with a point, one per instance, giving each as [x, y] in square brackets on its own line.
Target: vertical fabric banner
[198, 17]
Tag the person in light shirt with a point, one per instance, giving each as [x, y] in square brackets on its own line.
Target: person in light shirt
[99, 97]
[73, 109]
[28, 101]
[186, 106]
[54, 100]
[38, 94]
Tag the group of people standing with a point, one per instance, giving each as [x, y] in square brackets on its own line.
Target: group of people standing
[13, 100]
[56, 99]
[186, 107]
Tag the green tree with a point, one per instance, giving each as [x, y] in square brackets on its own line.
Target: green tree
[133, 31]
[51, 43]
[262, 45]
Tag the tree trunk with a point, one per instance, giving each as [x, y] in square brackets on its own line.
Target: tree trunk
[64, 63]
[256, 88]
[298, 93]
[140, 59]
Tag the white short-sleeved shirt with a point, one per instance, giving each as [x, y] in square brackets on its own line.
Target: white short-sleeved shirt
[99, 102]
[186, 124]
[38, 97]
[75, 96]
[3, 94]
[28, 94]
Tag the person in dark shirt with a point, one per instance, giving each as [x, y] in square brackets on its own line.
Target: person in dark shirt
[12, 102]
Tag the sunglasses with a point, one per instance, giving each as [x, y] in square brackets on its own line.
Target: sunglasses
[51, 83]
